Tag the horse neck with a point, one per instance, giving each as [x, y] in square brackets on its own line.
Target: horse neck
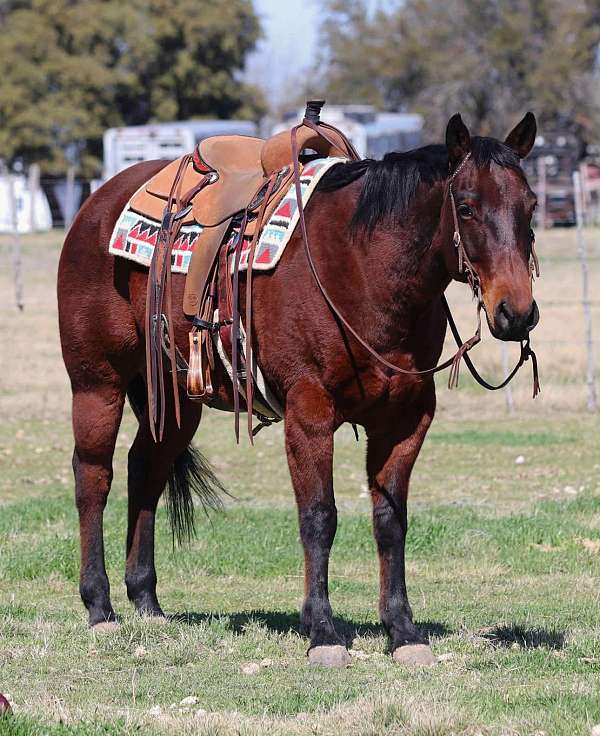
[406, 270]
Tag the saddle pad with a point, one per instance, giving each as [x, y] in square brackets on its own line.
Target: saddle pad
[278, 231]
[134, 236]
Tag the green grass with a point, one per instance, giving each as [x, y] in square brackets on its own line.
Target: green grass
[510, 601]
[501, 438]
[260, 543]
[502, 571]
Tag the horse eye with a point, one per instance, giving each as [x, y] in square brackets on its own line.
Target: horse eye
[465, 211]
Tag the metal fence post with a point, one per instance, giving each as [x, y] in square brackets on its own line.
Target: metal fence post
[70, 204]
[585, 299]
[33, 185]
[541, 191]
[508, 394]
[16, 239]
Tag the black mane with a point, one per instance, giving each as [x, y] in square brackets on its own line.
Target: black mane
[391, 183]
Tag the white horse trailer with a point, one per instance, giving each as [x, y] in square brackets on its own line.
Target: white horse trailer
[124, 147]
[22, 210]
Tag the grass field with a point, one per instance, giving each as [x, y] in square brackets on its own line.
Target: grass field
[503, 559]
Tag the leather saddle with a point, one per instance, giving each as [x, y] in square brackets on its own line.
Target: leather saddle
[235, 160]
[239, 167]
[228, 183]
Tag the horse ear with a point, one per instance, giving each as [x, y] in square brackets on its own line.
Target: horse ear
[522, 137]
[458, 140]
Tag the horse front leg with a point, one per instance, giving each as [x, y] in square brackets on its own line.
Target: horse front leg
[393, 445]
[309, 425]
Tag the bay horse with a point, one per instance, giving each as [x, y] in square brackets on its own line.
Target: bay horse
[381, 235]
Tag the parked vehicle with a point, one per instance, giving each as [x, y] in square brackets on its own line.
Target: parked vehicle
[550, 167]
[126, 146]
[20, 209]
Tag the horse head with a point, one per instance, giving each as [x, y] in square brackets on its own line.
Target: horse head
[493, 206]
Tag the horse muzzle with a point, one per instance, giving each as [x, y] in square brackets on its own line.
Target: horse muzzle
[511, 325]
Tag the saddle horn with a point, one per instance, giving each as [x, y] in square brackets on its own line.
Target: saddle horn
[313, 110]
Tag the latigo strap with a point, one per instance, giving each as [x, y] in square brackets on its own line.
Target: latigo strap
[159, 303]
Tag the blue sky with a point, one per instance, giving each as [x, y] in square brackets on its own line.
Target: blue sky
[291, 30]
[290, 43]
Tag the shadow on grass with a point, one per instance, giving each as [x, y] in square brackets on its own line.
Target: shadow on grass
[506, 636]
[284, 623]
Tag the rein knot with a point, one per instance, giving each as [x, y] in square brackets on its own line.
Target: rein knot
[527, 353]
[453, 376]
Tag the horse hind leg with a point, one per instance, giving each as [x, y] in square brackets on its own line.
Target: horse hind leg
[151, 468]
[97, 415]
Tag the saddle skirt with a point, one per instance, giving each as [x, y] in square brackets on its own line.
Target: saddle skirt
[135, 234]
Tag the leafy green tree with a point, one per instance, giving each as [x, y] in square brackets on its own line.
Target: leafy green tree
[72, 68]
[489, 59]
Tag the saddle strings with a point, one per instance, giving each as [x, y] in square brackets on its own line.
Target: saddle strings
[157, 284]
[159, 301]
[235, 327]
[249, 280]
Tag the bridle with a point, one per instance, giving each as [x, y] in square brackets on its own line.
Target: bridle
[464, 266]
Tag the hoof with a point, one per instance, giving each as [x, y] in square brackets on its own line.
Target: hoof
[414, 655]
[331, 656]
[105, 627]
[155, 619]
[5, 708]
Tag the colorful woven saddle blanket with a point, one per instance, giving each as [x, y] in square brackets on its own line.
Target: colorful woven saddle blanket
[135, 235]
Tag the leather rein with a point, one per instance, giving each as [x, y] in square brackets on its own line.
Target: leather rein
[464, 266]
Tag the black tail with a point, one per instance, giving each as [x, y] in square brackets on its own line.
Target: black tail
[191, 476]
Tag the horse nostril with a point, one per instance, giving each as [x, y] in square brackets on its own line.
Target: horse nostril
[503, 317]
[534, 316]
[505, 310]
[511, 325]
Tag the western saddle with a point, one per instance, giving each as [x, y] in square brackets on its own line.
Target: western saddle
[229, 184]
